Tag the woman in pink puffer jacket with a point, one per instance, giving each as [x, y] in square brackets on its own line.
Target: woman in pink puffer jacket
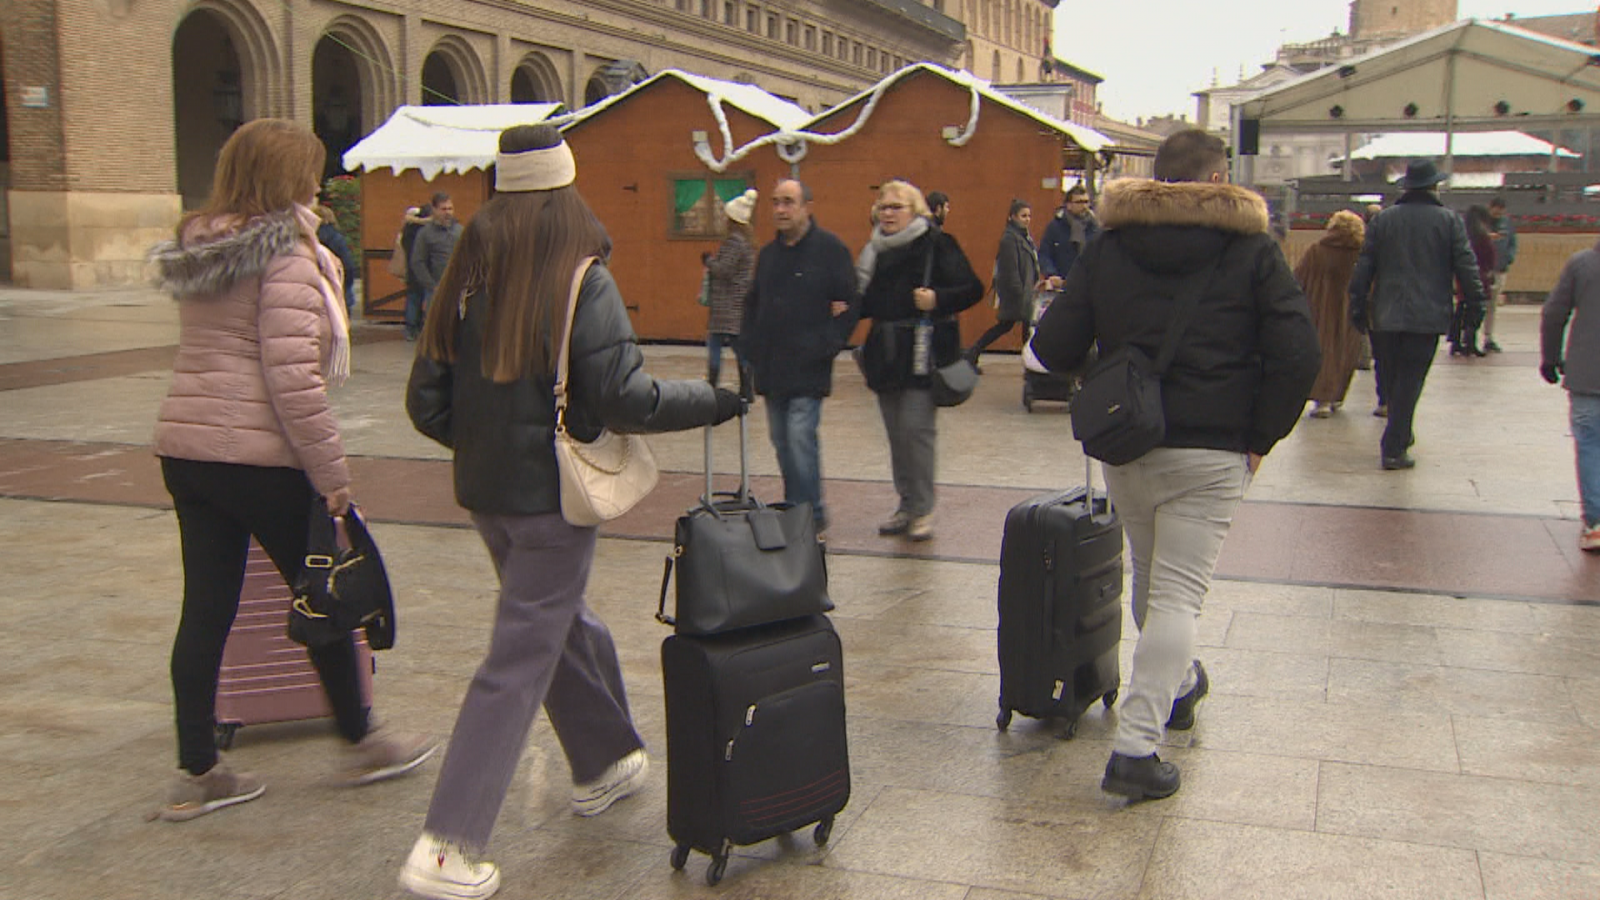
[247, 440]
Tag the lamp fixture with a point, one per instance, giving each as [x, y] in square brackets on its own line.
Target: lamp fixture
[1410, 110]
[1336, 111]
[1502, 108]
[1574, 105]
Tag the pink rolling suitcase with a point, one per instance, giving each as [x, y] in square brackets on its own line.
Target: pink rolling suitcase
[265, 676]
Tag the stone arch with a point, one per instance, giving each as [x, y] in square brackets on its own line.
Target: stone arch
[225, 72]
[380, 87]
[612, 78]
[452, 73]
[536, 80]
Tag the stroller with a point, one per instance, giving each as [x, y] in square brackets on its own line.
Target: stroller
[1037, 382]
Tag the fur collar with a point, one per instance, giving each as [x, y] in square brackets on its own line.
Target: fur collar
[203, 263]
[1345, 229]
[1141, 201]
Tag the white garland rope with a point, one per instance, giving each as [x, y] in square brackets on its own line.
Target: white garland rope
[791, 145]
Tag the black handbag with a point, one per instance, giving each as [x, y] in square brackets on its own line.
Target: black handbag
[953, 384]
[1117, 413]
[341, 587]
[743, 563]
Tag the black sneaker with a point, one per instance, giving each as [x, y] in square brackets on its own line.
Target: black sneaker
[1403, 461]
[1491, 347]
[1140, 777]
[1182, 718]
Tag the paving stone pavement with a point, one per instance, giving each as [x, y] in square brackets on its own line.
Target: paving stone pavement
[1405, 666]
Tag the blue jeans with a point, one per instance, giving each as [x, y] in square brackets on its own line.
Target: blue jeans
[1586, 434]
[792, 423]
[416, 306]
[715, 341]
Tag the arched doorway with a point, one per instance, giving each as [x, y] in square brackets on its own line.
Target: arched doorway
[223, 65]
[336, 99]
[536, 81]
[613, 78]
[439, 86]
[452, 74]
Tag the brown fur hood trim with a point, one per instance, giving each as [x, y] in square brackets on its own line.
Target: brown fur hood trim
[1345, 229]
[205, 264]
[1141, 201]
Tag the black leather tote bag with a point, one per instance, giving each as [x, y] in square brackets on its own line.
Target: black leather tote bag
[341, 587]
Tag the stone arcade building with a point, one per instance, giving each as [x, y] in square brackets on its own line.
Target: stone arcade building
[113, 110]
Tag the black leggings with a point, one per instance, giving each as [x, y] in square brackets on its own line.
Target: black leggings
[997, 331]
[219, 507]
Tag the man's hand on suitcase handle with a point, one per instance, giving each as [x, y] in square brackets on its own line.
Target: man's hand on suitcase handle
[729, 405]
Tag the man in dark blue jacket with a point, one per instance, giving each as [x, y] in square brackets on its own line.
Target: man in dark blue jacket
[1414, 250]
[1073, 227]
[1236, 386]
[798, 315]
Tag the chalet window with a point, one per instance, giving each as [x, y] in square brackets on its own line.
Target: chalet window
[697, 200]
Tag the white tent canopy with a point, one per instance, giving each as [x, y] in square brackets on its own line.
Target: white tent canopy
[1469, 76]
[1415, 145]
[747, 98]
[434, 139]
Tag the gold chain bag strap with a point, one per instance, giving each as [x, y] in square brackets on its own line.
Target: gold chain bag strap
[606, 477]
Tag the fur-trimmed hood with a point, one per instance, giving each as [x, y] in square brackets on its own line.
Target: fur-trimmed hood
[1141, 201]
[215, 255]
[1345, 230]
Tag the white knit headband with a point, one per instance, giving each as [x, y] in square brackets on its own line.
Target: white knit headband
[535, 170]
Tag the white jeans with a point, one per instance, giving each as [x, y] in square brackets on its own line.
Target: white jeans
[1176, 506]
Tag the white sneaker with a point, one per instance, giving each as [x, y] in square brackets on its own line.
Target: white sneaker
[440, 870]
[623, 779]
[1589, 540]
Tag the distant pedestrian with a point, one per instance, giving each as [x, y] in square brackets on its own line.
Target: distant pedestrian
[938, 207]
[1016, 277]
[1324, 273]
[330, 236]
[1236, 386]
[1573, 310]
[914, 280]
[248, 442]
[1413, 251]
[1072, 228]
[431, 250]
[1463, 336]
[798, 315]
[415, 217]
[482, 385]
[730, 270]
[1504, 232]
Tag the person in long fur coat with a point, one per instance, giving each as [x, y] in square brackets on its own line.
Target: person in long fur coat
[1324, 274]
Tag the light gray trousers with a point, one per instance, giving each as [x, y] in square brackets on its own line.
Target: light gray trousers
[910, 418]
[1176, 506]
[547, 648]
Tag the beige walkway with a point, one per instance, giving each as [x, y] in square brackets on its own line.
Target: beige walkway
[1358, 743]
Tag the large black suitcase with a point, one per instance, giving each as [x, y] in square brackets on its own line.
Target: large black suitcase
[1060, 615]
[755, 737]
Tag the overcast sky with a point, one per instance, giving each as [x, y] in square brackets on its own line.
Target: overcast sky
[1154, 53]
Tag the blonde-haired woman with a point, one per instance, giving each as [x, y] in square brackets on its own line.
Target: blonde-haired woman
[1324, 274]
[731, 269]
[911, 274]
[247, 439]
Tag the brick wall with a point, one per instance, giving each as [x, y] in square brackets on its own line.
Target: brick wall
[28, 30]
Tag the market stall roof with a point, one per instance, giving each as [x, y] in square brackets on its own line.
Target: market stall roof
[1472, 75]
[1413, 145]
[746, 98]
[1086, 138]
[434, 139]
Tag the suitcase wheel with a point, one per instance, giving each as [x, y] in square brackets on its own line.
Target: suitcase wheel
[223, 735]
[719, 865]
[1069, 732]
[680, 857]
[823, 831]
[1110, 699]
[1003, 720]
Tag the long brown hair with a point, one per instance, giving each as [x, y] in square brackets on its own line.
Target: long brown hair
[520, 252]
[267, 166]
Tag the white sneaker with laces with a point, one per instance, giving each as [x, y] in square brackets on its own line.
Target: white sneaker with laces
[623, 779]
[440, 870]
[1589, 540]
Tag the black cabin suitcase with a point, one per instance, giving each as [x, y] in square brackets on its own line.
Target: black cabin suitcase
[1060, 615]
[755, 737]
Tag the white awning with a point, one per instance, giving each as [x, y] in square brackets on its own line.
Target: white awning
[434, 139]
[1469, 76]
[1416, 145]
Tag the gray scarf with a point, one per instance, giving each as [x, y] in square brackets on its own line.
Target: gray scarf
[880, 242]
[1080, 228]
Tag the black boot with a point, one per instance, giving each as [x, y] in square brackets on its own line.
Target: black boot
[1140, 777]
[1182, 718]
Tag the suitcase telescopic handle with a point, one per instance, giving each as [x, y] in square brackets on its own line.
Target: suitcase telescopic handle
[709, 496]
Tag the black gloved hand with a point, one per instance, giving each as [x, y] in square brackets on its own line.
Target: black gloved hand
[1551, 372]
[729, 404]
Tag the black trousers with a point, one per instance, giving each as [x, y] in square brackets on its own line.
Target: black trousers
[220, 506]
[997, 331]
[1402, 360]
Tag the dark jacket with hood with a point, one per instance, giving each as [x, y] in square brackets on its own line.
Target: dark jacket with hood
[1016, 271]
[886, 357]
[790, 334]
[1246, 362]
[503, 434]
[1414, 250]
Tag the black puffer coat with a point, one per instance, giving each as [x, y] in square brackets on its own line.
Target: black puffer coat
[887, 301]
[503, 434]
[1245, 364]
